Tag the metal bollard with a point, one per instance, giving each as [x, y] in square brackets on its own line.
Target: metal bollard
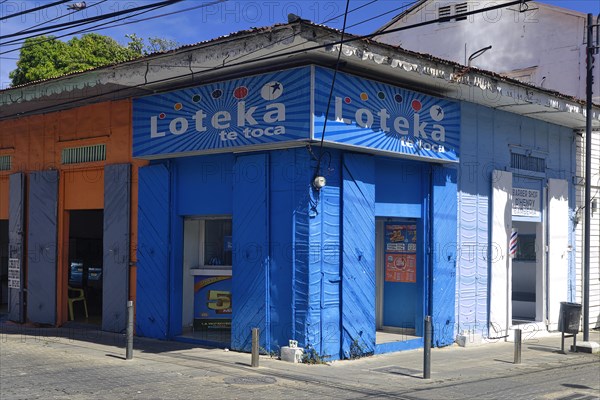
[129, 349]
[517, 347]
[427, 348]
[255, 335]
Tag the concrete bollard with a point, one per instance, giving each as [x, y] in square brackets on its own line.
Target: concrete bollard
[517, 359]
[129, 348]
[255, 336]
[427, 348]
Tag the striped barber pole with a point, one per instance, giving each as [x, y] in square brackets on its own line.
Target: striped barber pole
[513, 243]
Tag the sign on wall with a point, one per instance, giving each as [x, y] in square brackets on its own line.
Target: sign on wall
[14, 273]
[260, 110]
[526, 203]
[400, 252]
[277, 109]
[374, 115]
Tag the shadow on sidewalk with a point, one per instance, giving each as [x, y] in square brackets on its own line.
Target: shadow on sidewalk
[74, 331]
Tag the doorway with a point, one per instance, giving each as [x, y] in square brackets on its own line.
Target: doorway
[399, 279]
[86, 230]
[3, 266]
[527, 273]
[207, 272]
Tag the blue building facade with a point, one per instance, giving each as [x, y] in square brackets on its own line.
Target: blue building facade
[328, 267]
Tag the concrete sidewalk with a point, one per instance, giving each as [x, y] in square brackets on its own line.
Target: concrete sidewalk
[173, 366]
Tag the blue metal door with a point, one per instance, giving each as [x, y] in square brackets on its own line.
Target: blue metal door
[250, 270]
[152, 293]
[358, 272]
[42, 246]
[16, 230]
[115, 275]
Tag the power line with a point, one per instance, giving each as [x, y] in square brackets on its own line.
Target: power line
[94, 19]
[103, 25]
[273, 56]
[382, 14]
[25, 31]
[335, 71]
[33, 9]
[351, 11]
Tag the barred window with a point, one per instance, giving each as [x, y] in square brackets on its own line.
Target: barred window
[83, 154]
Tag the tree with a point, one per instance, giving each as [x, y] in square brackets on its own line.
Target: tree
[155, 44]
[46, 57]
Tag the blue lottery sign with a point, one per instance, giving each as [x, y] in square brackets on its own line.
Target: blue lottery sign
[274, 110]
[261, 110]
[373, 115]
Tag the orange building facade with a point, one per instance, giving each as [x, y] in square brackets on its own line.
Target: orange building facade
[68, 215]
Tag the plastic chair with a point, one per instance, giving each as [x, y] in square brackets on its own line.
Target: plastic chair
[80, 296]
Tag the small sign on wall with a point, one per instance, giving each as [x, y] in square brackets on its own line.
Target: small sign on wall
[14, 273]
[526, 203]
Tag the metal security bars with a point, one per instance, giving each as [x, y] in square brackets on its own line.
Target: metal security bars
[5, 163]
[83, 154]
[527, 162]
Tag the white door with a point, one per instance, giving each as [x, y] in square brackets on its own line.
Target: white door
[500, 274]
[558, 248]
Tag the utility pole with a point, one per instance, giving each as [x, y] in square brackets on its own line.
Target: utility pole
[590, 51]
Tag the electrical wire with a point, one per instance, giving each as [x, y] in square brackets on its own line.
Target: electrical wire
[93, 19]
[335, 71]
[56, 3]
[385, 13]
[349, 12]
[103, 26]
[25, 31]
[88, 29]
[263, 58]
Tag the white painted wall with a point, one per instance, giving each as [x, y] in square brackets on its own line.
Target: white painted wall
[545, 41]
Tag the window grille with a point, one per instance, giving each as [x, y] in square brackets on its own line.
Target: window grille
[5, 163]
[444, 11]
[459, 9]
[529, 163]
[83, 154]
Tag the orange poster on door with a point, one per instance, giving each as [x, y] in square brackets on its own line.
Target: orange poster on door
[400, 252]
[401, 268]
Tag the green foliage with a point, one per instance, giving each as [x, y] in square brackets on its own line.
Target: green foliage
[311, 356]
[155, 44]
[357, 351]
[46, 57]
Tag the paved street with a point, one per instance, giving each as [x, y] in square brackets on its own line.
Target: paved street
[81, 364]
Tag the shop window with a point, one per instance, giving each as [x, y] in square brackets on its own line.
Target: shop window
[526, 250]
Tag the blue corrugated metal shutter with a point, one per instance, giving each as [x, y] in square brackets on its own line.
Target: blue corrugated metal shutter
[358, 283]
[115, 285]
[16, 212]
[251, 251]
[41, 241]
[152, 294]
[324, 267]
[444, 211]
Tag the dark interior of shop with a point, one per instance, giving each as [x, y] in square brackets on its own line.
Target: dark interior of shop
[85, 264]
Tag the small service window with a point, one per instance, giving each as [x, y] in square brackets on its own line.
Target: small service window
[217, 244]
[208, 244]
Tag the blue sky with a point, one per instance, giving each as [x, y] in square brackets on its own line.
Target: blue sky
[210, 21]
